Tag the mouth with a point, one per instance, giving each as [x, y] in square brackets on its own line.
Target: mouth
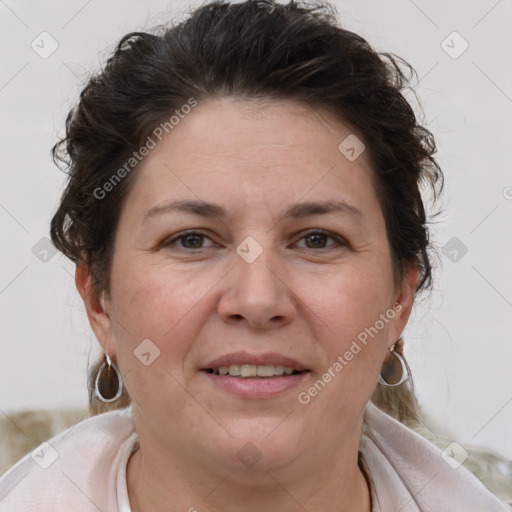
[252, 371]
[251, 375]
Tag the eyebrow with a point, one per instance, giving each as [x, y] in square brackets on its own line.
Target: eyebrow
[296, 211]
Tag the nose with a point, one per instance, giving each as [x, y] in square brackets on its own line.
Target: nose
[259, 294]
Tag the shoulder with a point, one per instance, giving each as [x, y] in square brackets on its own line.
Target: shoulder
[410, 473]
[74, 470]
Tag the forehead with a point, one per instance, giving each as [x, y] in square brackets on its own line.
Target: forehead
[253, 152]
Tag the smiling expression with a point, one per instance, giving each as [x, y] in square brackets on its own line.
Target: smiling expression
[248, 231]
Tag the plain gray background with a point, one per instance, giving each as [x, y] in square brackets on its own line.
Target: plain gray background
[458, 341]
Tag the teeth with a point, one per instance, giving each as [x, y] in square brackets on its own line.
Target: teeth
[248, 370]
[265, 371]
[252, 370]
[234, 369]
[278, 370]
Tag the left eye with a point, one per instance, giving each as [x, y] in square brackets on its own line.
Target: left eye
[318, 238]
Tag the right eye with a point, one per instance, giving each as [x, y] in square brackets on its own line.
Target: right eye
[189, 240]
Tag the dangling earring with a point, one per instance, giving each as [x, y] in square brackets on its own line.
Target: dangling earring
[403, 367]
[109, 384]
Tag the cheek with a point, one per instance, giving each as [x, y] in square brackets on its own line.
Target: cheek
[166, 306]
[353, 316]
[353, 342]
[153, 300]
[156, 317]
[348, 302]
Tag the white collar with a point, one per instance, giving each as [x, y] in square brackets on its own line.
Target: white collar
[407, 472]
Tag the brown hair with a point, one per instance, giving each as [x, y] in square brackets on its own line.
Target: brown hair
[256, 49]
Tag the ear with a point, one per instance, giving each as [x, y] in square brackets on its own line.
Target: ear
[96, 307]
[404, 295]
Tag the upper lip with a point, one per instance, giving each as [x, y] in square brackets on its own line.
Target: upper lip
[266, 359]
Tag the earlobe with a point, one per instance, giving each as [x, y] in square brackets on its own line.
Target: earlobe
[102, 304]
[83, 281]
[405, 298]
[410, 283]
[95, 306]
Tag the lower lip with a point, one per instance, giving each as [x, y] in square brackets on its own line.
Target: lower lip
[256, 387]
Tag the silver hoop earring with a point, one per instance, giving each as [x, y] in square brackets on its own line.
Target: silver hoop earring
[405, 373]
[108, 385]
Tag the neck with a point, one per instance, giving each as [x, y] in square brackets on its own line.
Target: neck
[328, 483]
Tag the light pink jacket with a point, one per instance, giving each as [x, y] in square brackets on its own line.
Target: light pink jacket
[83, 469]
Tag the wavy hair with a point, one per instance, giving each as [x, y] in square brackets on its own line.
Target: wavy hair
[256, 49]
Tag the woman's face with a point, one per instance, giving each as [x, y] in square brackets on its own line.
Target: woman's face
[273, 277]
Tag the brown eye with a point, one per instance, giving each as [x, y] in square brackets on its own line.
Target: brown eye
[318, 239]
[189, 240]
[193, 241]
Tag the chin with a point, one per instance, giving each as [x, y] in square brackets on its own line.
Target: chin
[259, 444]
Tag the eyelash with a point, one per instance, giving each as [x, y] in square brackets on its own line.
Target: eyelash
[171, 241]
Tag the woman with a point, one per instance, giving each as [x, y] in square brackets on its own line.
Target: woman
[243, 207]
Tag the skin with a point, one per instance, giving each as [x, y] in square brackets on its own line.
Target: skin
[196, 304]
